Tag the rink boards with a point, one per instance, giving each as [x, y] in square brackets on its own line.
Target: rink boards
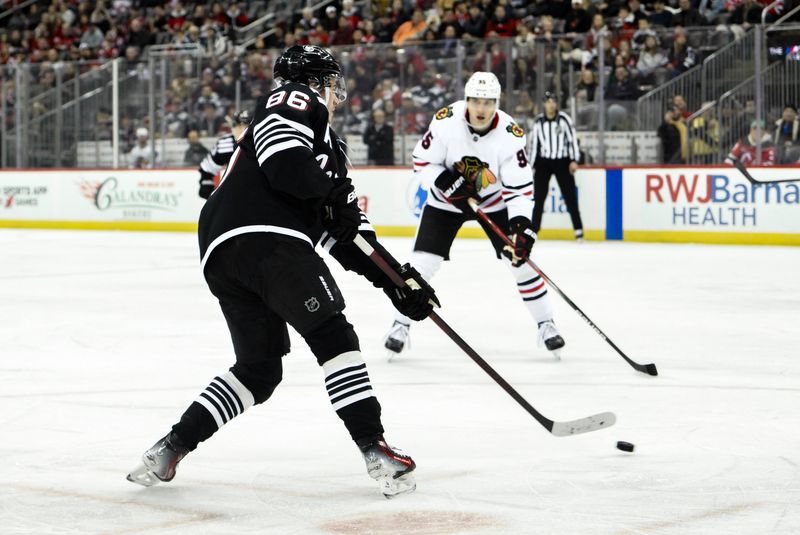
[670, 204]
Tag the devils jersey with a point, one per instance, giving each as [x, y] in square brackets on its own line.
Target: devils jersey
[504, 177]
[284, 166]
[219, 156]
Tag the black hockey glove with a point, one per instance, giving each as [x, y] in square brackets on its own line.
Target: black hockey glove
[523, 238]
[415, 300]
[341, 216]
[206, 184]
[457, 188]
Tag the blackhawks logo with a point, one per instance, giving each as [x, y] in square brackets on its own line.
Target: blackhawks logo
[444, 113]
[515, 130]
[476, 171]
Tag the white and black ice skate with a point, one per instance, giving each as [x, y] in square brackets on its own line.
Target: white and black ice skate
[397, 338]
[160, 462]
[549, 335]
[393, 470]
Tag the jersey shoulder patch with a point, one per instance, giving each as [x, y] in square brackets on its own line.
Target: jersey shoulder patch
[515, 130]
[444, 113]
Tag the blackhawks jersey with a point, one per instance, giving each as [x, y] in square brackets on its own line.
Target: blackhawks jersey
[504, 176]
[284, 166]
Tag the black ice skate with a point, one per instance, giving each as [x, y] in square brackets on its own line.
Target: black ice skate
[397, 338]
[551, 338]
[160, 462]
[389, 467]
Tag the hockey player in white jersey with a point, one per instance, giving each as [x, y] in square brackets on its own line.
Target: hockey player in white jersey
[472, 149]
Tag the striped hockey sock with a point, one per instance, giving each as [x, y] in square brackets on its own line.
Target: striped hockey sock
[351, 395]
[346, 379]
[225, 398]
[222, 400]
[533, 292]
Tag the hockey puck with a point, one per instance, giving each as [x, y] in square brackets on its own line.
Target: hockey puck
[625, 446]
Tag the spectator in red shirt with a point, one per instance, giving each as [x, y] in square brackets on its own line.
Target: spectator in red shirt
[624, 24]
[238, 18]
[745, 149]
[352, 13]
[177, 17]
[501, 24]
[343, 34]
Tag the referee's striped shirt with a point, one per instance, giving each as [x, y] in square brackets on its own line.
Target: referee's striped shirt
[555, 138]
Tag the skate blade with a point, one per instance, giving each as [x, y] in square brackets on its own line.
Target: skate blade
[556, 354]
[391, 488]
[142, 475]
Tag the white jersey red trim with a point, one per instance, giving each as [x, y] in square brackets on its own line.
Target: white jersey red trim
[509, 181]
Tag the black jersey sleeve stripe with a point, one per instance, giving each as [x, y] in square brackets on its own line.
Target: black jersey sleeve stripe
[209, 165]
[275, 119]
[264, 144]
[219, 156]
[268, 132]
[271, 139]
[280, 147]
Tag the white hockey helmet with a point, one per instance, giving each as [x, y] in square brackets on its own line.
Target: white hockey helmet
[483, 85]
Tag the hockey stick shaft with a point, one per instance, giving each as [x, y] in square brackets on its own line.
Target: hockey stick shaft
[742, 169]
[649, 369]
[584, 425]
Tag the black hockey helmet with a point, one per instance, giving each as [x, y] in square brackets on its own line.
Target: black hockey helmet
[549, 95]
[308, 63]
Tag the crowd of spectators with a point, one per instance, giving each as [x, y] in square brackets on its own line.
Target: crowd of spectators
[641, 43]
[698, 137]
[85, 30]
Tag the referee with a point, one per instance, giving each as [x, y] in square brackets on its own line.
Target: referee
[555, 152]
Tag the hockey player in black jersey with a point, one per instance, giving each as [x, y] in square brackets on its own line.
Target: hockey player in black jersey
[285, 190]
[222, 152]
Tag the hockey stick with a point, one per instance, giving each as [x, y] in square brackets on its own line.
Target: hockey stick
[742, 169]
[559, 429]
[644, 368]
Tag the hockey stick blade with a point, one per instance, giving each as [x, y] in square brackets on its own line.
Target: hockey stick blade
[649, 369]
[584, 425]
[559, 429]
[742, 169]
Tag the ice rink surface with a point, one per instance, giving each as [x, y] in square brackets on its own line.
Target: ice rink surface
[106, 337]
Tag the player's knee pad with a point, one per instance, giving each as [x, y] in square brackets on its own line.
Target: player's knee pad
[426, 263]
[333, 337]
[259, 379]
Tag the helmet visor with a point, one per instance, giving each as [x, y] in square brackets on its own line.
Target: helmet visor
[337, 84]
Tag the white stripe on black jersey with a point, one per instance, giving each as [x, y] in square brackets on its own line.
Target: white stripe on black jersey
[219, 156]
[277, 133]
[554, 139]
